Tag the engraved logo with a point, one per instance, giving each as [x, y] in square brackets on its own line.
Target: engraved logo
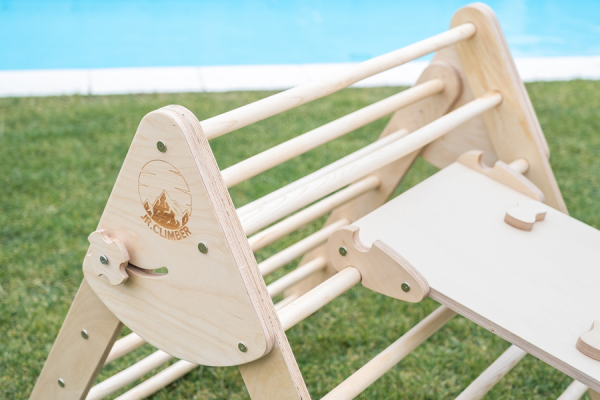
[166, 198]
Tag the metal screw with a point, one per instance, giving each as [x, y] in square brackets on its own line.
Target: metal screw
[161, 146]
[343, 251]
[406, 287]
[202, 247]
[242, 347]
[61, 383]
[104, 260]
[84, 334]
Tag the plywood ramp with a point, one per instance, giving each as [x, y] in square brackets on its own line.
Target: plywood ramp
[538, 289]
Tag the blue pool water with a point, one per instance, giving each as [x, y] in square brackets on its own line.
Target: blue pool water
[138, 33]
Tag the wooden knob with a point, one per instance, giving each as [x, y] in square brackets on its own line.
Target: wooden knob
[108, 257]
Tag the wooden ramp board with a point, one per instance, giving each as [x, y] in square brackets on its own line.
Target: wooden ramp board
[540, 290]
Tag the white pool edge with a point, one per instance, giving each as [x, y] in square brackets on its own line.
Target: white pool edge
[104, 81]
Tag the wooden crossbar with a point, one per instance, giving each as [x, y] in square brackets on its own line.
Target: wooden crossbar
[280, 207]
[276, 155]
[124, 346]
[322, 172]
[387, 359]
[311, 213]
[493, 374]
[257, 111]
[575, 391]
[299, 248]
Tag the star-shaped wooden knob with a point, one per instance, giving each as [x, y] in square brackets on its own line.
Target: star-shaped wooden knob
[108, 257]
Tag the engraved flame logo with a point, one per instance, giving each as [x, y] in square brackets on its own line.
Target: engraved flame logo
[165, 195]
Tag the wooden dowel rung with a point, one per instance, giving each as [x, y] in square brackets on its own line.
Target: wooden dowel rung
[301, 144]
[392, 137]
[294, 200]
[575, 391]
[131, 374]
[391, 356]
[520, 165]
[297, 275]
[158, 381]
[124, 346]
[493, 374]
[286, 301]
[300, 248]
[259, 110]
[318, 297]
[293, 222]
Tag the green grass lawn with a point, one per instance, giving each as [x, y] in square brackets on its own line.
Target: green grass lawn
[59, 158]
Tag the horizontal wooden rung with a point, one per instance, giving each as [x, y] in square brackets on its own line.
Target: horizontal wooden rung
[301, 144]
[259, 110]
[392, 137]
[158, 381]
[309, 214]
[300, 248]
[575, 391]
[131, 374]
[493, 374]
[391, 356]
[281, 206]
[124, 346]
[297, 275]
[318, 297]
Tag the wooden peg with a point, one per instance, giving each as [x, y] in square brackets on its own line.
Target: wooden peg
[525, 214]
[109, 257]
[382, 269]
[589, 342]
[501, 172]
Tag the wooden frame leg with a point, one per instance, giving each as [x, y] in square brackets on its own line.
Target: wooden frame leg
[74, 359]
[269, 377]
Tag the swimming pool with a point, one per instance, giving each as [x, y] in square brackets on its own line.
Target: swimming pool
[136, 33]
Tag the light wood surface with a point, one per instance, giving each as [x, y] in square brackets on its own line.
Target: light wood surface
[472, 135]
[280, 207]
[285, 302]
[309, 214]
[410, 118]
[493, 374]
[391, 356]
[301, 144]
[575, 391]
[496, 275]
[268, 378]
[124, 346]
[75, 360]
[246, 115]
[525, 214]
[298, 249]
[520, 165]
[513, 126]
[503, 173]
[322, 172]
[131, 374]
[589, 342]
[181, 190]
[318, 297]
[382, 269]
[115, 254]
[295, 276]
[594, 394]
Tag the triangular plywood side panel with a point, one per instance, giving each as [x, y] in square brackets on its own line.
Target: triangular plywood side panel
[162, 206]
